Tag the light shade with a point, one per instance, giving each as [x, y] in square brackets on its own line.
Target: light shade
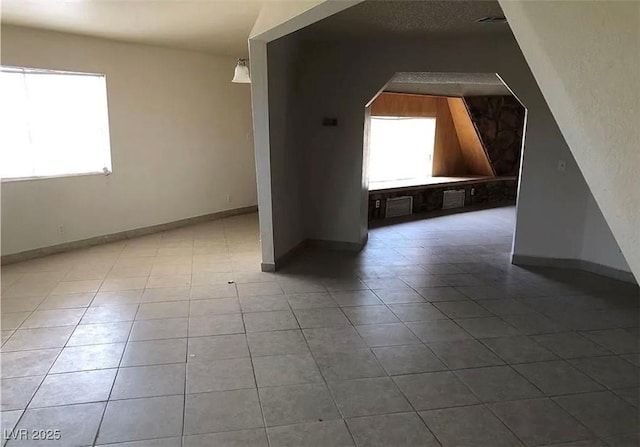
[241, 74]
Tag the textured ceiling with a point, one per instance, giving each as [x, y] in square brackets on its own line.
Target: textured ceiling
[448, 84]
[409, 18]
[217, 26]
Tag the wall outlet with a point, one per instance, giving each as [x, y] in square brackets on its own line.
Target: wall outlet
[228, 198]
[473, 191]
[562, 165]
[377, 203]
[61, 229]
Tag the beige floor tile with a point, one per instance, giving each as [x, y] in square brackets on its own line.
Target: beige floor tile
[87, 285]
[184, 325]
[169, 281]
[110, 285]
[72, 300]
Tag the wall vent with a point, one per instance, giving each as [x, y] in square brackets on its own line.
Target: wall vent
[453, 199]
[399, 206]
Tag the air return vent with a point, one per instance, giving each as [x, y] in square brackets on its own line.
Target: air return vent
[453, 199]
[492, 19]
[399, 206]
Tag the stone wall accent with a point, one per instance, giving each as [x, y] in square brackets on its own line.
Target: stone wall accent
[499, 121]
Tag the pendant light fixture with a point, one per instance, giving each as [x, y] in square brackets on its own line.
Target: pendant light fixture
[241, 75]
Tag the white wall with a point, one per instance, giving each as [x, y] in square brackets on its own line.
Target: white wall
[338, 78]
[277, 19]
[287, 206]
[586, 57]
[598, 241]
[181, 142]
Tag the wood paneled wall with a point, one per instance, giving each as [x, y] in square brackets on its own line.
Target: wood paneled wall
[456, 152]
[448, 160]
[401, 104]
[472, 149]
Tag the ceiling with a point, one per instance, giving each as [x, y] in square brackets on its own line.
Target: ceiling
[223, 26]
[216, 26]
[448, 84]
[402, 18]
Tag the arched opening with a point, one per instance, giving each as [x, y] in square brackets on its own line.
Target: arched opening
[441, 143]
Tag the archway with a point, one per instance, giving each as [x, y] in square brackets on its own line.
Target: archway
[470, 161]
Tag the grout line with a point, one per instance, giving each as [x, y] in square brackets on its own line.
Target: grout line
[46, 374]
[106, 405]
[437, 254]
[324, 380]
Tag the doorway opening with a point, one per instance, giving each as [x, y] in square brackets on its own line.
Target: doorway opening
[437, 143]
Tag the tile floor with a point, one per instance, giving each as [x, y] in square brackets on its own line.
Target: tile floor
[427, 337]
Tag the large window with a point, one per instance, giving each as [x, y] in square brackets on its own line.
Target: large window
[400, 151]
[52, 123]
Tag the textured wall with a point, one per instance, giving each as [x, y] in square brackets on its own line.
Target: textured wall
[586, 59]
[499, 121]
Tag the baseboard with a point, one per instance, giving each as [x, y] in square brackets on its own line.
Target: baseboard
[577, 264]
[338, 245]
[286, 257]
[324, 244]
[114, 237]
[283, 259]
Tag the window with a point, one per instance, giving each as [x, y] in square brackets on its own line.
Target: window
[400, 151]
[52, 123]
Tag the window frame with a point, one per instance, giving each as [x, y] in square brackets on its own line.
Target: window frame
[418, 180]
[105, 171]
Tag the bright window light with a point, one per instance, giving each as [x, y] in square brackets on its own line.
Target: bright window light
[52, 123]
[401, 149]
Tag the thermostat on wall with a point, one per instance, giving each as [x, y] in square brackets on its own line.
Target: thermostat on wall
[330, 122]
